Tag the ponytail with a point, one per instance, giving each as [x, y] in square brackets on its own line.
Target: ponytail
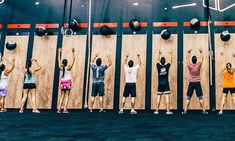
[63, 71]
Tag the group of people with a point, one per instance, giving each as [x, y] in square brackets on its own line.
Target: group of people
[131, 70]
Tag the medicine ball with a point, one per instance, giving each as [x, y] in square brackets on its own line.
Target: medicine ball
[225, 36]
[11, 45]
[41, 31]
[74, 25]
[195, 24]
[134, 25]
[165, 34]
[105, 30]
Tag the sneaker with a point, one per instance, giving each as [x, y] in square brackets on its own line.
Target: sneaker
[133, 112]
[102, 110]
[65, 111]
[169, 113]
[36, 111]
[204, 112]
[220, 113]
[121, 112]
[184, 112]
[4, 110]
[59, 111]
[21, 111]
[156, 112]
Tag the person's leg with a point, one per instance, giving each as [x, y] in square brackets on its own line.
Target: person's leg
[200, 97]
[66, 101]
[33, 96]
[133, 97]
[93, 95]
[167, 102]
[61, 101]
[123, 103]
[25, 95]
[159, 96]
[224, 99]
[125, 95]
[1, 103]
[101, 100]
[132, 103]
[232, 91]
[188, 97]
[92, 101]
[101, 96]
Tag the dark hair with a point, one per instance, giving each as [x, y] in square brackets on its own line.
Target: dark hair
[228, 67]
[64, 62]
[194, 59]
[98, 61]
[163, 60]
[28, 65]
[130, 63]
[2, 68]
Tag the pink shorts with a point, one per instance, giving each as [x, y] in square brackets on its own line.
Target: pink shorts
[65, 84]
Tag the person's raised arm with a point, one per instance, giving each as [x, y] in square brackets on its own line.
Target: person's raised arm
[170, 54]
[109, 61]
[233, 61]
[201, 56]
[139, 59]
[38, 67]
[59, 58]
[8, 71]
[187, 56]
[159, 56]
[125, 61]
[222, 60]
[93, 60]
[73, 60]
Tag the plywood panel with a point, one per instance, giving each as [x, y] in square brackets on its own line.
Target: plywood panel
[228, 48]
[79, 44]
[105, 46]
[16, 77]
[44, 50]
[196, 42]
[165, 46]
[133, 45]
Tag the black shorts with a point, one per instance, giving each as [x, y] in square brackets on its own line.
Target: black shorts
[97, 88]
[227, 90]
[29, 86]
[194, 86]
[163, 89]
[130, 89]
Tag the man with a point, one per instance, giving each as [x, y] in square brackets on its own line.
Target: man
[130, 87]
[163, 82]
[98, 73]
[195, 81]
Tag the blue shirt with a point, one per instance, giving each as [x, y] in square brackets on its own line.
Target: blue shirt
[98, 73]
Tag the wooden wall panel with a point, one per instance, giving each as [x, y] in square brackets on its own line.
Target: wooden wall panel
[165, 46]
[79, 44]
[133, 45]
[228, 48]
[16, 77]
[196, 42]
[44, 50]
[105, 46]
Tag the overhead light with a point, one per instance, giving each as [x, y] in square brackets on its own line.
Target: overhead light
[37, 3]
[185, 5]
[135, 3]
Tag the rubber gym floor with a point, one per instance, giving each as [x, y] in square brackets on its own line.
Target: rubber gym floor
[110, 126]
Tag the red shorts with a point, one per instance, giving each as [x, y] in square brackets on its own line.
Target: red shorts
[65, 84]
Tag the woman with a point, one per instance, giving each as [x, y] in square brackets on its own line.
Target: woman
[4, 73]
[30, 85]
[66, 81]
[228, 83]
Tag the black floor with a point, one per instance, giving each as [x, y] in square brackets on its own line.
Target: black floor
[109, 126]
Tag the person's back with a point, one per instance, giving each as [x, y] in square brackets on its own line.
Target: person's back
[194, 72]
[131, 73]
[228, 79]
[98, 73]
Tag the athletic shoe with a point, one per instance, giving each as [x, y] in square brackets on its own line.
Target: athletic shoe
[65, 111]
[133, 112]
[184, 112]
[102, 110]
[59, 111]
[121, 112]
[156, 112]
[36, 111]
[169, 113]
[220, 113]
[21, 111]
[204, 112]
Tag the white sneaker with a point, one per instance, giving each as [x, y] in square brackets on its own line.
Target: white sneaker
[156, 112]
[169, 113]
[133, 112]
[121, 112]
[220, 113]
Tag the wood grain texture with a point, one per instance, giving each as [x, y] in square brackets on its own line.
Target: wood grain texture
[165, 46]
[16, 77]
[228, 48]
[105, 46]
[133, 45]
[196, 42]
[44, 50]
[79, 44]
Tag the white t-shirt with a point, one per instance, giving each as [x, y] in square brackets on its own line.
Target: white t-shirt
[131, 73]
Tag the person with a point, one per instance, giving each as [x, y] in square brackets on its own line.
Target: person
[66, 80]
[30, 85]
[163, 82]
[194, 68]
[130, 86]
[228, 82]
[4, 73]
[98, 74]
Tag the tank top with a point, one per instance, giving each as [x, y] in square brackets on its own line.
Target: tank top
[67, 75]
[228, 80]
[3, 80]
[29, 79]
